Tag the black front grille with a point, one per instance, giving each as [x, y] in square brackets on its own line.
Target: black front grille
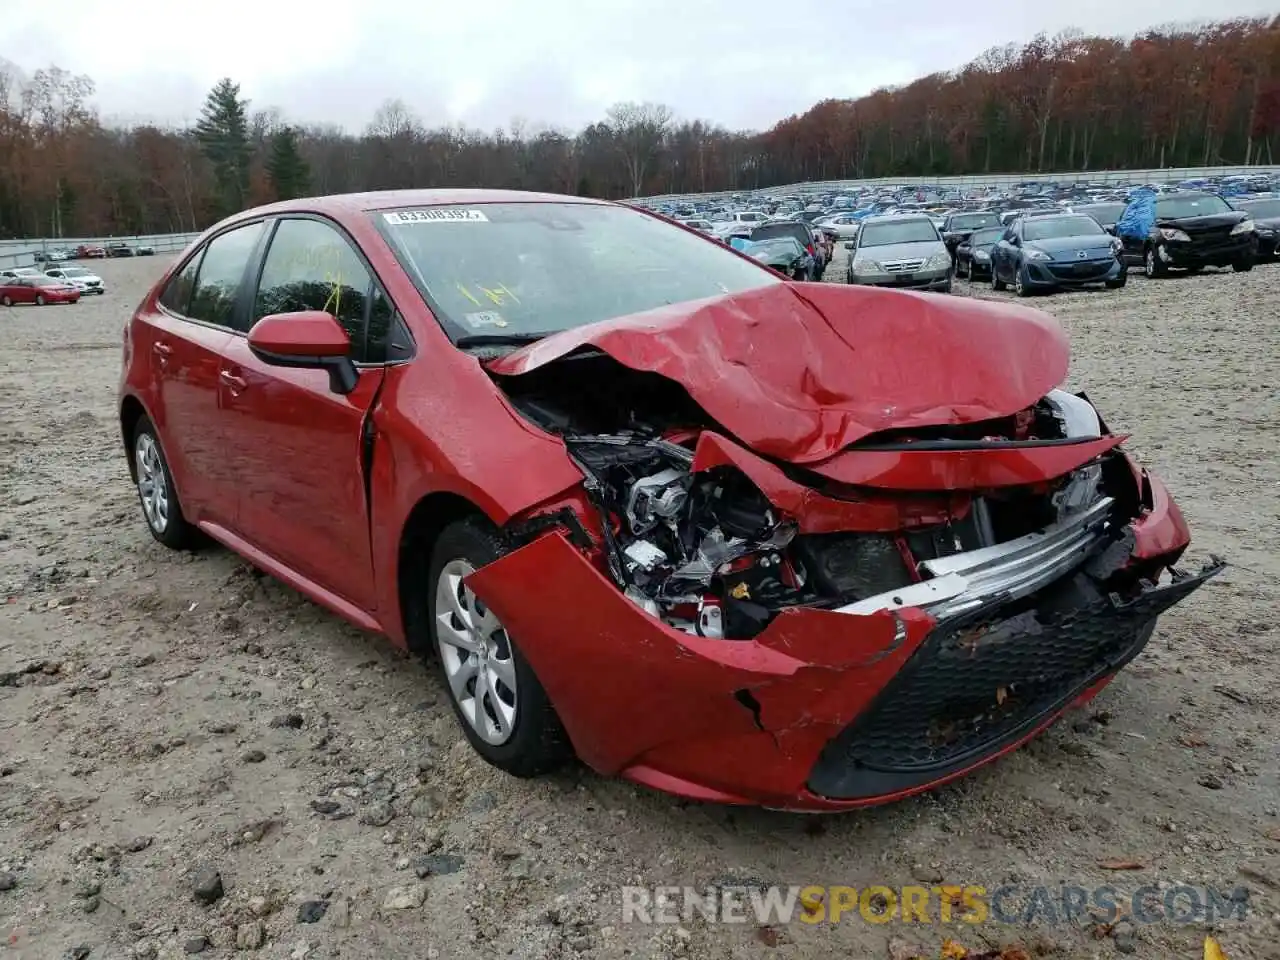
[981, 681]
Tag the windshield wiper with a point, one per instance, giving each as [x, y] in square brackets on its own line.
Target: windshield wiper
[497, 339]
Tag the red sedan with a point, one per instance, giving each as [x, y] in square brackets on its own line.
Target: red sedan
[803, 545]
[38, 290]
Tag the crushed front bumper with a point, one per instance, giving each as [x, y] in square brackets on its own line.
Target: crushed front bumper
[833, 709]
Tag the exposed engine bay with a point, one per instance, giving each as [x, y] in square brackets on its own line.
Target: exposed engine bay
[707, 553]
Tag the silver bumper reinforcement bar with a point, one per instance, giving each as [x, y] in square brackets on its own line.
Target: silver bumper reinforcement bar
[963, 581]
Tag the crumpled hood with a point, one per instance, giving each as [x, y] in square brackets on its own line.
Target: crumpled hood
[800, 371]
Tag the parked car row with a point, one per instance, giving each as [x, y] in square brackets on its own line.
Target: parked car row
[92, 251]
[54, 285]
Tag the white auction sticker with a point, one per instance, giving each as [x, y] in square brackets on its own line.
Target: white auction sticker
[435, 215]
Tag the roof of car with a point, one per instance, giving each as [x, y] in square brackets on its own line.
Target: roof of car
[897, 218]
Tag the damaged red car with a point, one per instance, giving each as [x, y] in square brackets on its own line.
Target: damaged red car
[801, 545]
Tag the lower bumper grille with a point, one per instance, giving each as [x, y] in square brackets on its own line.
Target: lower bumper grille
[987, 678]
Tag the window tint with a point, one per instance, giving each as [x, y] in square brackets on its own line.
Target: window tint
[221, 271]
[177, 294]
[310, 266]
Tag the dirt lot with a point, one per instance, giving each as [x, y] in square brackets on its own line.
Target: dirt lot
[162, 714]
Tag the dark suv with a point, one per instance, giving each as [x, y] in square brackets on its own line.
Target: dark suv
[791, 228]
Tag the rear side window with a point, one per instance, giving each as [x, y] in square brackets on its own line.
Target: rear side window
[311, 266]
[177, 294]
[221, 272]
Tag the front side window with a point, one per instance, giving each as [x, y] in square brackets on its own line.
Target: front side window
[213, 300]
[310, 266]
[538, 268]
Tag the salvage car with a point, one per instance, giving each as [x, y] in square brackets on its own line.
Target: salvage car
[957, 227]
[1265, 214]
[899, 250]
[806, 546]
[78, 277]
[973, 253]
[1191, 231]
[38, 290]
[802, 234]
[1047, 253]
[784, 254]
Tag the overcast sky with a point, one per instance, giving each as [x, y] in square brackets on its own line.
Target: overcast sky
[740, 63]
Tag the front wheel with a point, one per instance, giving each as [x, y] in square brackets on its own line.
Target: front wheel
[39, 299]
[6, 301]
[1153, 265]
[503, 709]
[1243, 266]
[156, 492]
[1118, 282]
[1019, 285]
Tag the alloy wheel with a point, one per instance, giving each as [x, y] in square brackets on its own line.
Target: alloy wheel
[153, 486]
[1151, 261]
[476, 655]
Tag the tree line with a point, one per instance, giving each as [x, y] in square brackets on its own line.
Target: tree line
[1169, 97]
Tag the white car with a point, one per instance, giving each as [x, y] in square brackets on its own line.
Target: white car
[79, 277]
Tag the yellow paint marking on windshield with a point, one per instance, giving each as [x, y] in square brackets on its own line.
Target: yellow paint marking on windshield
[467, 293]
[503, 287]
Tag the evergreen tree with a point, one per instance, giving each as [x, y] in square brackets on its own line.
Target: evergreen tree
[223, 134]
[286, 169]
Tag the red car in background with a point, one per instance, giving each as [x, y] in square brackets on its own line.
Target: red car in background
[38, 290]
[91, 251]
[804, 545]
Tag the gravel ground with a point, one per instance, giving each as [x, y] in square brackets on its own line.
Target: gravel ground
[165, 718]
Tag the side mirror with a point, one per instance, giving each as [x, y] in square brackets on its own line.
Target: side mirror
[308, 339]
[848, 244]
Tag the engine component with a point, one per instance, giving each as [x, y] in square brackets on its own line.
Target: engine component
[643, 555]
[655, 499]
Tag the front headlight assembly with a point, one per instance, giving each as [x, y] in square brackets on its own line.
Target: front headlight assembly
[1172, 233]
[1244, 226]
[1037, 255]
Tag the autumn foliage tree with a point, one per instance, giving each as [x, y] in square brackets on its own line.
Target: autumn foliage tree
[1173, 97]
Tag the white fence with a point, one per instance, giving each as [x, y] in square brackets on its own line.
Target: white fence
[1163, 175]
[21, 253]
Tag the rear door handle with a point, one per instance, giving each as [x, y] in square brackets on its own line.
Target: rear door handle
[161, 349]
[236, 385]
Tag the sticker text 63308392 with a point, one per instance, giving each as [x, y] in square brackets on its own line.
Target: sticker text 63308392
[435, 215]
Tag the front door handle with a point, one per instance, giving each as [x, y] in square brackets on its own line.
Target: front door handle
[236, 385]
[161, 349]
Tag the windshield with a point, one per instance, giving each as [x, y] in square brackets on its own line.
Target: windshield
[1192, 205]
[903, 231]
[45, 281]
[521, 268]
[1106, 213]
[1260, 208]
[986, 236]
[971, 221]
[74, 272]
[1054, 228]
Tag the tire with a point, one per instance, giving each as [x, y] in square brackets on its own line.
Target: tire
[1020, 287]
[39, 299]
[534, 741]
[157, 495]
[1152, 265]
[960, 274]
[996, 283]
[1118, 282]
[1243, 266]
[6, 301]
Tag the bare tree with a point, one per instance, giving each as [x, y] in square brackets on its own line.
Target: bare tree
[639, 130]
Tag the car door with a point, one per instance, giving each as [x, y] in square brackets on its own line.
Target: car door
[1002, 256]
[296, 447]
[184, 336]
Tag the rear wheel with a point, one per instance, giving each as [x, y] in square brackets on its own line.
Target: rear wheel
[156, 492]
[996, 283]
[39, 299]
[6, 301]
[1243, 266]
[503, 709]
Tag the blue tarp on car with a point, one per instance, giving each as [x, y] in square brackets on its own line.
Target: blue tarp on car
[1138, 216]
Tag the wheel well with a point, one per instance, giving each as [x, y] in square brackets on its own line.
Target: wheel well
[426, 521]
[131, 411]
